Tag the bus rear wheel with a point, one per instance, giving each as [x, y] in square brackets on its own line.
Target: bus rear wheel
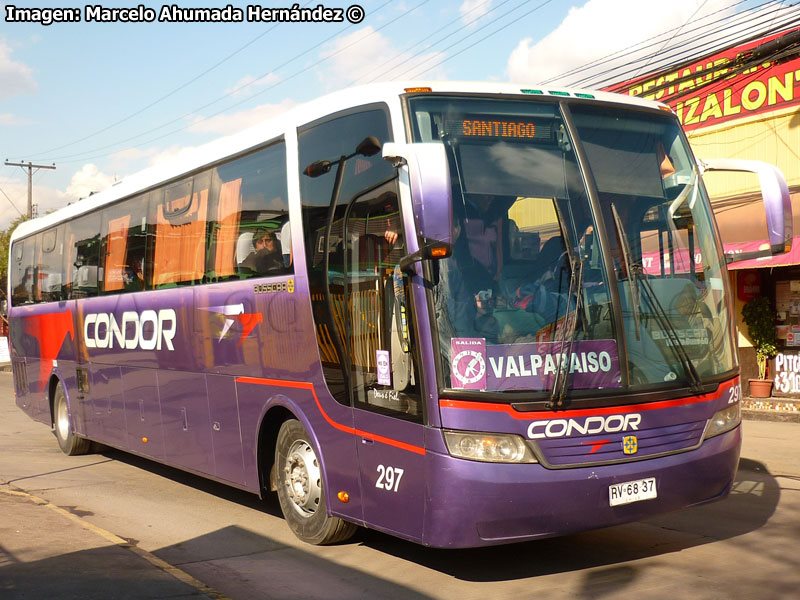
[301, 491]
[70, 444]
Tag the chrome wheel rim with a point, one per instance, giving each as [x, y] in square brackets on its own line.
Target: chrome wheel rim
[302, 478]
[62, 420]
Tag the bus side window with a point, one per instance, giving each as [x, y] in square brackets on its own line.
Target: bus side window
[124, 235]
[50, 265]
[82, 242]
[22, 271]
[178, 218]
[249, 202]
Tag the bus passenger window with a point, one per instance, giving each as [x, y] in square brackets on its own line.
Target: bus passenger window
[22, 272]
[50, 265]
[180, 231]
[82, 237]
[124, 237]
[248, 210]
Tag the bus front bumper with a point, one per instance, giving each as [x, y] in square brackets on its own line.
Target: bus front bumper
[481, 504]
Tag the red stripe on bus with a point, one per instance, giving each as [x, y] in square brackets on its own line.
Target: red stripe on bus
[588, 412]
[305, 385]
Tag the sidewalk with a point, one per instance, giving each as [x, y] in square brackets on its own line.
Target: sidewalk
[47, 552]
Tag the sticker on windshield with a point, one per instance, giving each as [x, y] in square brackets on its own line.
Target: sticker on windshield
[468, 363]
[592, 364]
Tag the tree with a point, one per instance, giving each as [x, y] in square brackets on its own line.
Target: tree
[759, 317]
[5, 239]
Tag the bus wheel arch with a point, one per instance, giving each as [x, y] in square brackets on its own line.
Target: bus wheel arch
[51, 395]
[267, 438]
[289, 465]
[63, 426]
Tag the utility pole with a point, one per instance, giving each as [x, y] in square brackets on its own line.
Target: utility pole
[30, 167]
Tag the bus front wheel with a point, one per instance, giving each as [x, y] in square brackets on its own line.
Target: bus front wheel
[70, 444]
[301, 491]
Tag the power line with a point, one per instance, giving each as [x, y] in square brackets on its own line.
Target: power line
[702, 49]
[30, 167]
[608, 57]
[425, 38]
[780, 48]
[80, 156]
[484, 38]
[11, 202]
[168, 94]
[672, 37]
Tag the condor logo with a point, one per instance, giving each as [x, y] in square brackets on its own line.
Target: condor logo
[556, 428]
[149, 331]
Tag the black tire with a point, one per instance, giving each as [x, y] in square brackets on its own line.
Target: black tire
[70, 444]
[301, 491]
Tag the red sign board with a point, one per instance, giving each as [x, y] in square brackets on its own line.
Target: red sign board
[713, 90]
[748, 285]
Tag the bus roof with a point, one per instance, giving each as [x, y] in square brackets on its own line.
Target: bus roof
[212, 152]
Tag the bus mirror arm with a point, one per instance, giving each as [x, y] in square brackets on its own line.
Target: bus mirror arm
[428, 172]
[431, 249]
[774, 195]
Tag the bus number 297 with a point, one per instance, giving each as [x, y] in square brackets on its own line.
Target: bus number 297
[389, 478]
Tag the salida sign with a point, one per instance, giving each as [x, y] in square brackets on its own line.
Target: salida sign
[713, 91]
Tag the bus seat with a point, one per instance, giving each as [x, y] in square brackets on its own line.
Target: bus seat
[244, 246]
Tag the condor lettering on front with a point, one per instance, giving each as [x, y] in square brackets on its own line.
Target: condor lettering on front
[152, 330]
[556, 428]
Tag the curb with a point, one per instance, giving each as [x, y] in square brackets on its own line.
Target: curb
[785, 410]
[162, 565]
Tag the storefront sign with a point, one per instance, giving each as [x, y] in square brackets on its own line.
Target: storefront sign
[748, 285]
[787, 374]
[717, 89]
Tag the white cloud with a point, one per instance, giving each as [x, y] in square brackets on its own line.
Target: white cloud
[8, 119]
[365, 54]
[602, 27]
[472, 10]
[226, 124]
[15, 77]
[249, 84]
[88, 180]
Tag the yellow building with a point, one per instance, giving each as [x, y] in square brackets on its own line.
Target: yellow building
[744, 103]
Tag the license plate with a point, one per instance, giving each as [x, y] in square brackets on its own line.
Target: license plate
[632, 491]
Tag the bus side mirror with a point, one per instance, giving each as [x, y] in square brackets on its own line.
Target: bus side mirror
[774, 195]
[431, 195]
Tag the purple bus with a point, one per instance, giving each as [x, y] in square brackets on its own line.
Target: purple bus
[422, 310]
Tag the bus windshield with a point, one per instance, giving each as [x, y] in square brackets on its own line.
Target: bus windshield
[603, 274]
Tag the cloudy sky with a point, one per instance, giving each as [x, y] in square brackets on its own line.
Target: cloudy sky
[103, 100]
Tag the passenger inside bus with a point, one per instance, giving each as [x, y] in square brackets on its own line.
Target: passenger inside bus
[133, 278]
[266, 254]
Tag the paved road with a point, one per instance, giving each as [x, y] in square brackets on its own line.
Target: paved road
[109, 520]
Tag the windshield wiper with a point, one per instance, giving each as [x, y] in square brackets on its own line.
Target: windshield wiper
[632, 278]
[674, 340]
[635, 272]
[558, 394]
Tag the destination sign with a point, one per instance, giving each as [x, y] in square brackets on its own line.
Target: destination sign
[505, 127]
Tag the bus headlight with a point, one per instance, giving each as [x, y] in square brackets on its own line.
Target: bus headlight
[488, 447]
[723, 421]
